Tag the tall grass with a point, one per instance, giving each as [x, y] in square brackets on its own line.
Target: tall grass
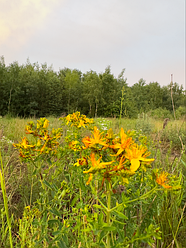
[24, 189]
[3, 187]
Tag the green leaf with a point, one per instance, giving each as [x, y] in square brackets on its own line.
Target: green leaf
[51, 246]
[48, 184]
[86, 230]
[97, 206]
[82, 184]
[100, 219]
[121, 215]
[56, 233]
[34, 172]
[44, 219]
[65, 238]
[102, 235]
[62, 195]
[35, 222]
[55, 212]
[74, 200]
[61, 244]
[184, 163]
[49, 161]
[119, 222]
[53, 221]
[108, 228]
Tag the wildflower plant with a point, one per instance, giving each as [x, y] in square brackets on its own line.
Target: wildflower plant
[103, 181]
[78, 120]
[41, 150]
[45, 142]
[117, 157]
[110, 161]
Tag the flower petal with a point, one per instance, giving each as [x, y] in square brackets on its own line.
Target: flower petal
[135, 164]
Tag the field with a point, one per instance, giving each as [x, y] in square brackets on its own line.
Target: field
[69, 182]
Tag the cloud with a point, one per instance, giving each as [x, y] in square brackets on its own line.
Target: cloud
[19, 20]
[145, 37]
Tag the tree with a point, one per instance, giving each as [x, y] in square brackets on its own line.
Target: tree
[12, 87]
[37, 90]
[139, 95]
[3, 90]
[109, 92]
[154, 95]
[72, 80]
[92, 90]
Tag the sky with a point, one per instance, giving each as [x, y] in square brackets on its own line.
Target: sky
[144, 37]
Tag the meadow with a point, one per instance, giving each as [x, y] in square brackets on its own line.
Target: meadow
[75, 182]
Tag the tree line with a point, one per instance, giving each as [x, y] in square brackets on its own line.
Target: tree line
[37, 90]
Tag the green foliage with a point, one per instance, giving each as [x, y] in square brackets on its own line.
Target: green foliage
[92, 91]
[51, 205]
[144, 124]
[160, 113]
[180, 112]
[37, 90]
[173, 138]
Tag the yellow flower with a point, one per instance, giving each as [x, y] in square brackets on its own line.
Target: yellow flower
[95, 139]
[81, 124]
[68, 118]
[81, 161]
[75, 115]
[90, 179]
[87, 120]
[122, 161]
[137, 154]
[25, 144]
[96, 166]
[86, 141]
[162, 180]
[78, 120]
[28, 128]
[39, 142]
[125, 142]
[46, 123]
[43, 147]
[74, 145]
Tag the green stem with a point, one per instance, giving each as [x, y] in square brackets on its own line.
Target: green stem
[108, 212]
[31, 192]
[121, 107]
[106, 209]
[3, 187]
[84, 225]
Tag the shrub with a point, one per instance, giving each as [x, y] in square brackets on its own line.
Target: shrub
[160, 113]
[180, 112]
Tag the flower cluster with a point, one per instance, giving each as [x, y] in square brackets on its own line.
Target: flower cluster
[75, 145]
[45, 142]
[77, 120]
[112, 156]
[163, 180]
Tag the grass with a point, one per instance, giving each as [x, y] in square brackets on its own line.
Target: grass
[23, 189]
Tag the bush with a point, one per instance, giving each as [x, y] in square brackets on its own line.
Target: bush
[180, 112]
[170, 135]
[160, 113]
[143, 124]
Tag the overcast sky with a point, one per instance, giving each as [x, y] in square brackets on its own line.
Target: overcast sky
[146, 37]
